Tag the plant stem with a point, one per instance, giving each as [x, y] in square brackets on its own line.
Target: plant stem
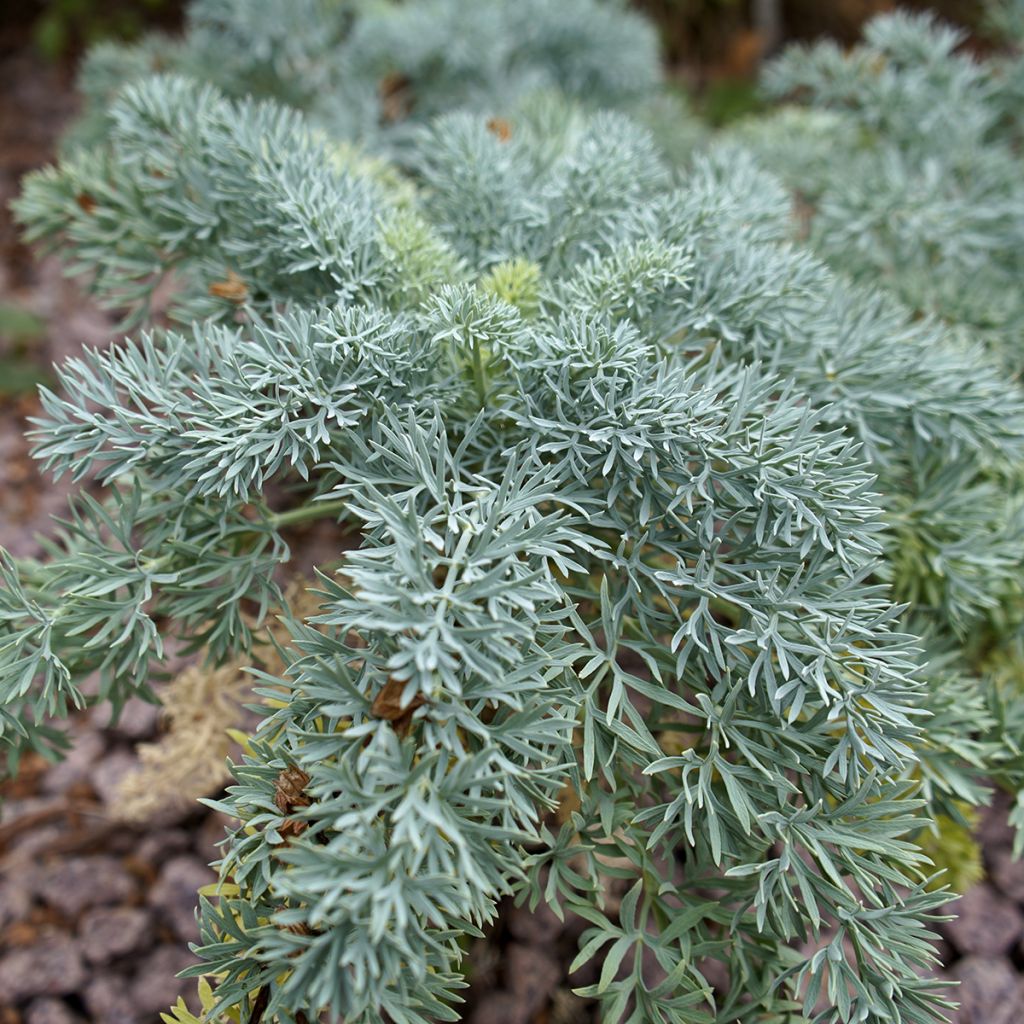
[479, 375]
[317, 510]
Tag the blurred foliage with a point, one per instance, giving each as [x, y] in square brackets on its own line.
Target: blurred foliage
[62, 28]
[19, 330]
[717, 36]
[18, 325]
[714, 35]
[843, 19]
[953, 850]
[729, 99]
[18, 376]
[694, 29]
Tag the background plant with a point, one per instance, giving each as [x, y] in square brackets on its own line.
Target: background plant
[906, 158]
[362, 69]
[932, 216]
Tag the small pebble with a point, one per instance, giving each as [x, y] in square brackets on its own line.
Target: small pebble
[210, 833]
[995, 830]
[78, 883]
[156, 987]
[139, 720]
[15, 902]
[715, 973]
[50, 1011]
[52, 967]
[990, 991]
[156, 847]
[107, 775]
[537, 927]
[107, 778]
[87, 750]
[86, 326]
[531, 974]
[24, 849]
[1008, 874]
[107, 934]
[987, 922]
[36, 807]
[174, 897]
[109, 1001]
[500, 1008]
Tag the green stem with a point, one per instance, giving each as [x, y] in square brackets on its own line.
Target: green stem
[151, 565]
[479, 375]
[317, 510]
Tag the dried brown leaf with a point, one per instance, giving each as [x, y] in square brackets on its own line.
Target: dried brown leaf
[289, 789]
[500, 127]
[233, 288]
[387, 705]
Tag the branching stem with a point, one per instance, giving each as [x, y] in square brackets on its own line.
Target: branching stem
[317, 510]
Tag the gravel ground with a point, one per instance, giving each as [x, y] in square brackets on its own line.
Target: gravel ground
[96, 915]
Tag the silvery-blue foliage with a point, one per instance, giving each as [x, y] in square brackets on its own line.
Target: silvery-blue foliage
[653, 505]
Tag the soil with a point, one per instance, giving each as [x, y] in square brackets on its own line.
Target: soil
[96, 915]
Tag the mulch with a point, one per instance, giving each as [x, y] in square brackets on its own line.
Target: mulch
[96, 914]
